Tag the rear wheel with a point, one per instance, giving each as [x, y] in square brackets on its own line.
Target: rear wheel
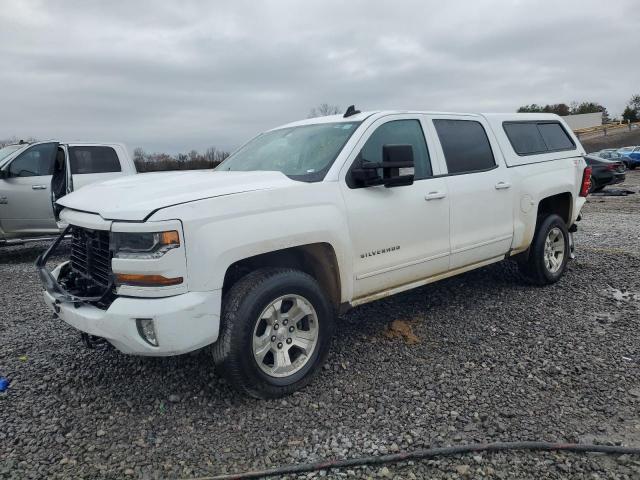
[276, 331]
[549, 252]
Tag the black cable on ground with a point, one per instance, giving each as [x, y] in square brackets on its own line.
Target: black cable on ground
[428, 453]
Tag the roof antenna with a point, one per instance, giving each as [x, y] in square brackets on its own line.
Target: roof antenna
[351, 111]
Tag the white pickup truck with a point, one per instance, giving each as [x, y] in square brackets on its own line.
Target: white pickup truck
[33, 176]
[258, 256]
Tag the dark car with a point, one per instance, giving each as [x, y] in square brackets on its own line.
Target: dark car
[605, 172]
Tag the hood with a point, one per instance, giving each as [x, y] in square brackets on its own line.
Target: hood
[135, 197]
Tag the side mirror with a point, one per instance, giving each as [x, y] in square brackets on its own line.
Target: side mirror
[397, 168]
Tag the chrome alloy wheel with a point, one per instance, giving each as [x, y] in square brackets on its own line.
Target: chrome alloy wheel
[285, 336]
[554, 247]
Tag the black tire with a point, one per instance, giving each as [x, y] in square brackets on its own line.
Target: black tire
[241, 309]
[598, 189]
[534, 269]
[632, 167]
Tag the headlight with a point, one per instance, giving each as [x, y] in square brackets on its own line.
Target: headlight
[145, 245]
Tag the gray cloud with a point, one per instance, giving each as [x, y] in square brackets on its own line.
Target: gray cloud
[190, 75]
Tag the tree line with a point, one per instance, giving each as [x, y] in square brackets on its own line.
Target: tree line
[631, 112]
[193, 160]
[563, 109]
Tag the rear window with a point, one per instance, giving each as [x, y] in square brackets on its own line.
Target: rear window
[531, 138]
[93, 160]
[465, 145]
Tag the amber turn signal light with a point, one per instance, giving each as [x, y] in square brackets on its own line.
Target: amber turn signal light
[139, 280]
[169, 238]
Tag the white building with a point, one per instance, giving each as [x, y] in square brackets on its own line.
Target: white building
[584, 120]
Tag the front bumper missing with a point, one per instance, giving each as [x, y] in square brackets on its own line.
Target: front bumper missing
[53, 287]
[183, 322]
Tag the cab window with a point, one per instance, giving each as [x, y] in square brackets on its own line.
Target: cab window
[37, 161]
[400, 132]
[85, 159]
[465, 146]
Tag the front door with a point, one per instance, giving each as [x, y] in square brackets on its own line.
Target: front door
[399, 234]
[26, 194]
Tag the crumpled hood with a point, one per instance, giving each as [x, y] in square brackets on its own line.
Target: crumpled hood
[135, 197]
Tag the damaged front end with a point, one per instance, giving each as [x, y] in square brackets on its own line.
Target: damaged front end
[86, 278]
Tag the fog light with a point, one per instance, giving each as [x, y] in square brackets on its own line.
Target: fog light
[147, 330]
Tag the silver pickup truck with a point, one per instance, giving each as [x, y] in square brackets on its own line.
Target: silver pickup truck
[33, 176]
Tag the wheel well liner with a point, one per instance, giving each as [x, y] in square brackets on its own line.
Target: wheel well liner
[559, 204]
[316, 259]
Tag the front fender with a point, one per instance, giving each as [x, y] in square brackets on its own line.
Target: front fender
[223, 230]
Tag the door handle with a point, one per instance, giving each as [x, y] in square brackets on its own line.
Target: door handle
[38, 187]
[502, 185]
[434, 196]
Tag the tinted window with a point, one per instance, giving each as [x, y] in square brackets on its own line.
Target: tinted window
[36, 161]
[93, 160]
[400, 132]
[555, 137]
[525, 138]
[465, 145]
[528, 138]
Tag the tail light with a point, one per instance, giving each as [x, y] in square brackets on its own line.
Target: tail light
[586, 182]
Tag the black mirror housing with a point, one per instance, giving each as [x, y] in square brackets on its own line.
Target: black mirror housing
[397, 160]
[366, 174]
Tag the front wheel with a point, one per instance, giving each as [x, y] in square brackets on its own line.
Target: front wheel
[549, 252]
[276, 331]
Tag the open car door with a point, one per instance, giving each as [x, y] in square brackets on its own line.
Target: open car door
[25, 191]
[61, 181]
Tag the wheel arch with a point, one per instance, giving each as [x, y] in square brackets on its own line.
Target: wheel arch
[560, 204]
[316, 259]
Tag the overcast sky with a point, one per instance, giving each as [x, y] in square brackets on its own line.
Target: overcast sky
[201, 73]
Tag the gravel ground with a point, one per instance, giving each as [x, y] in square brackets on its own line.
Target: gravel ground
[479, 357]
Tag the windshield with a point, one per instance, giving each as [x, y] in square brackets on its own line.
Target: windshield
[8, 150]
[302, 153]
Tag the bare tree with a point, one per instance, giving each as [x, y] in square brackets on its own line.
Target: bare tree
[323, 110]
[139, 155]
[215, 156]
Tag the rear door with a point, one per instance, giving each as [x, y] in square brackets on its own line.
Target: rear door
[93, 163]
[481, 195]
[25, 208]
